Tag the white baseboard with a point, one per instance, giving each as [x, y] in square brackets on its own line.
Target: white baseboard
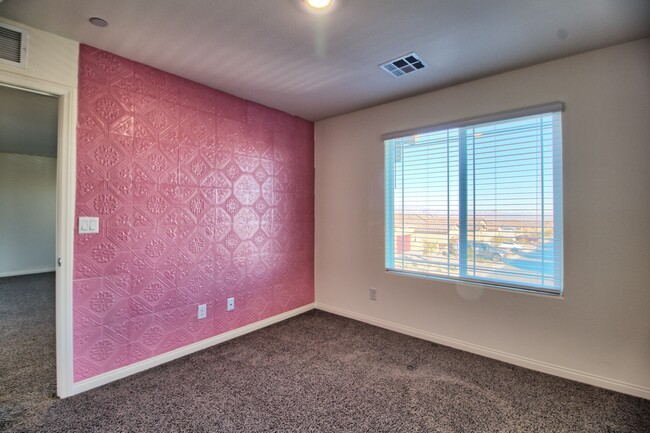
[544, 367]
[120, 373]
[26, 272]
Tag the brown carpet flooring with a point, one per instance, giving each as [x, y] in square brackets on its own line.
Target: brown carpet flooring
[314, 373]
[27, 349]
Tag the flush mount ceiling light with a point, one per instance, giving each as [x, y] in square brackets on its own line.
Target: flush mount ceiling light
[318, 6]
[98, 22]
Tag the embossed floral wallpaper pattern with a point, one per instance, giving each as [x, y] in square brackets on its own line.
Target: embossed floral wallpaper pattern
[201, 196]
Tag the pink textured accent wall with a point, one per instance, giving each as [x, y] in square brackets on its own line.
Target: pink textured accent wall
[201, 196]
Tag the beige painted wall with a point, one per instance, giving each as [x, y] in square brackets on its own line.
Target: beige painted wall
[599, 332]
[27, 214]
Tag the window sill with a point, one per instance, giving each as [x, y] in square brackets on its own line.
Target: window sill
[546, 293]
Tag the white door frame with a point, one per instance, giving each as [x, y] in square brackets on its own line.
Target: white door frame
[65, 212]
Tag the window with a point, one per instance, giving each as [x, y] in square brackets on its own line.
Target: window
[478, 200]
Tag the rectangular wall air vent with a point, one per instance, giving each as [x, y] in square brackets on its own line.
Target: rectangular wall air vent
[13, 45]
[406, 64]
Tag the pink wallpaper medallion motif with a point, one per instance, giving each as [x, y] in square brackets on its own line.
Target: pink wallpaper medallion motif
[201, 196]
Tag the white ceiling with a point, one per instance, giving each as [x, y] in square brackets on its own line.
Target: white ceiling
[317, 66]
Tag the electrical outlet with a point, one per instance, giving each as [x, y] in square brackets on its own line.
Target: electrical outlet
[203, 311]
[231, 304]
[373, 294]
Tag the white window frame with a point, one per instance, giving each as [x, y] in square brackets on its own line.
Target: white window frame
[554, 107]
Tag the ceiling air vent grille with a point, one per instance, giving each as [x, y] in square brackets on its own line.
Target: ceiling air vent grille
[12, 45]
[406, 64]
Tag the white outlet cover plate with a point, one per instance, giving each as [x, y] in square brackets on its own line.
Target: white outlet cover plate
[203, 311]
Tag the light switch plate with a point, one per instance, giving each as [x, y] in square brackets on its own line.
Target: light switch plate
[88, 225]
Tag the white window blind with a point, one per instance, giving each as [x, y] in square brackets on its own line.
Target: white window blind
[478, 200]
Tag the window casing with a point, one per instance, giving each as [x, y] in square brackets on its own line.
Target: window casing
[478, 200]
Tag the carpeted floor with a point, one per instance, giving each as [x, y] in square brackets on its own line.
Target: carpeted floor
[316, 373]
[27, 349]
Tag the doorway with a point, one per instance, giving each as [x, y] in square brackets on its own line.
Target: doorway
[28, 150]
[65, 100]
[28, 202]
